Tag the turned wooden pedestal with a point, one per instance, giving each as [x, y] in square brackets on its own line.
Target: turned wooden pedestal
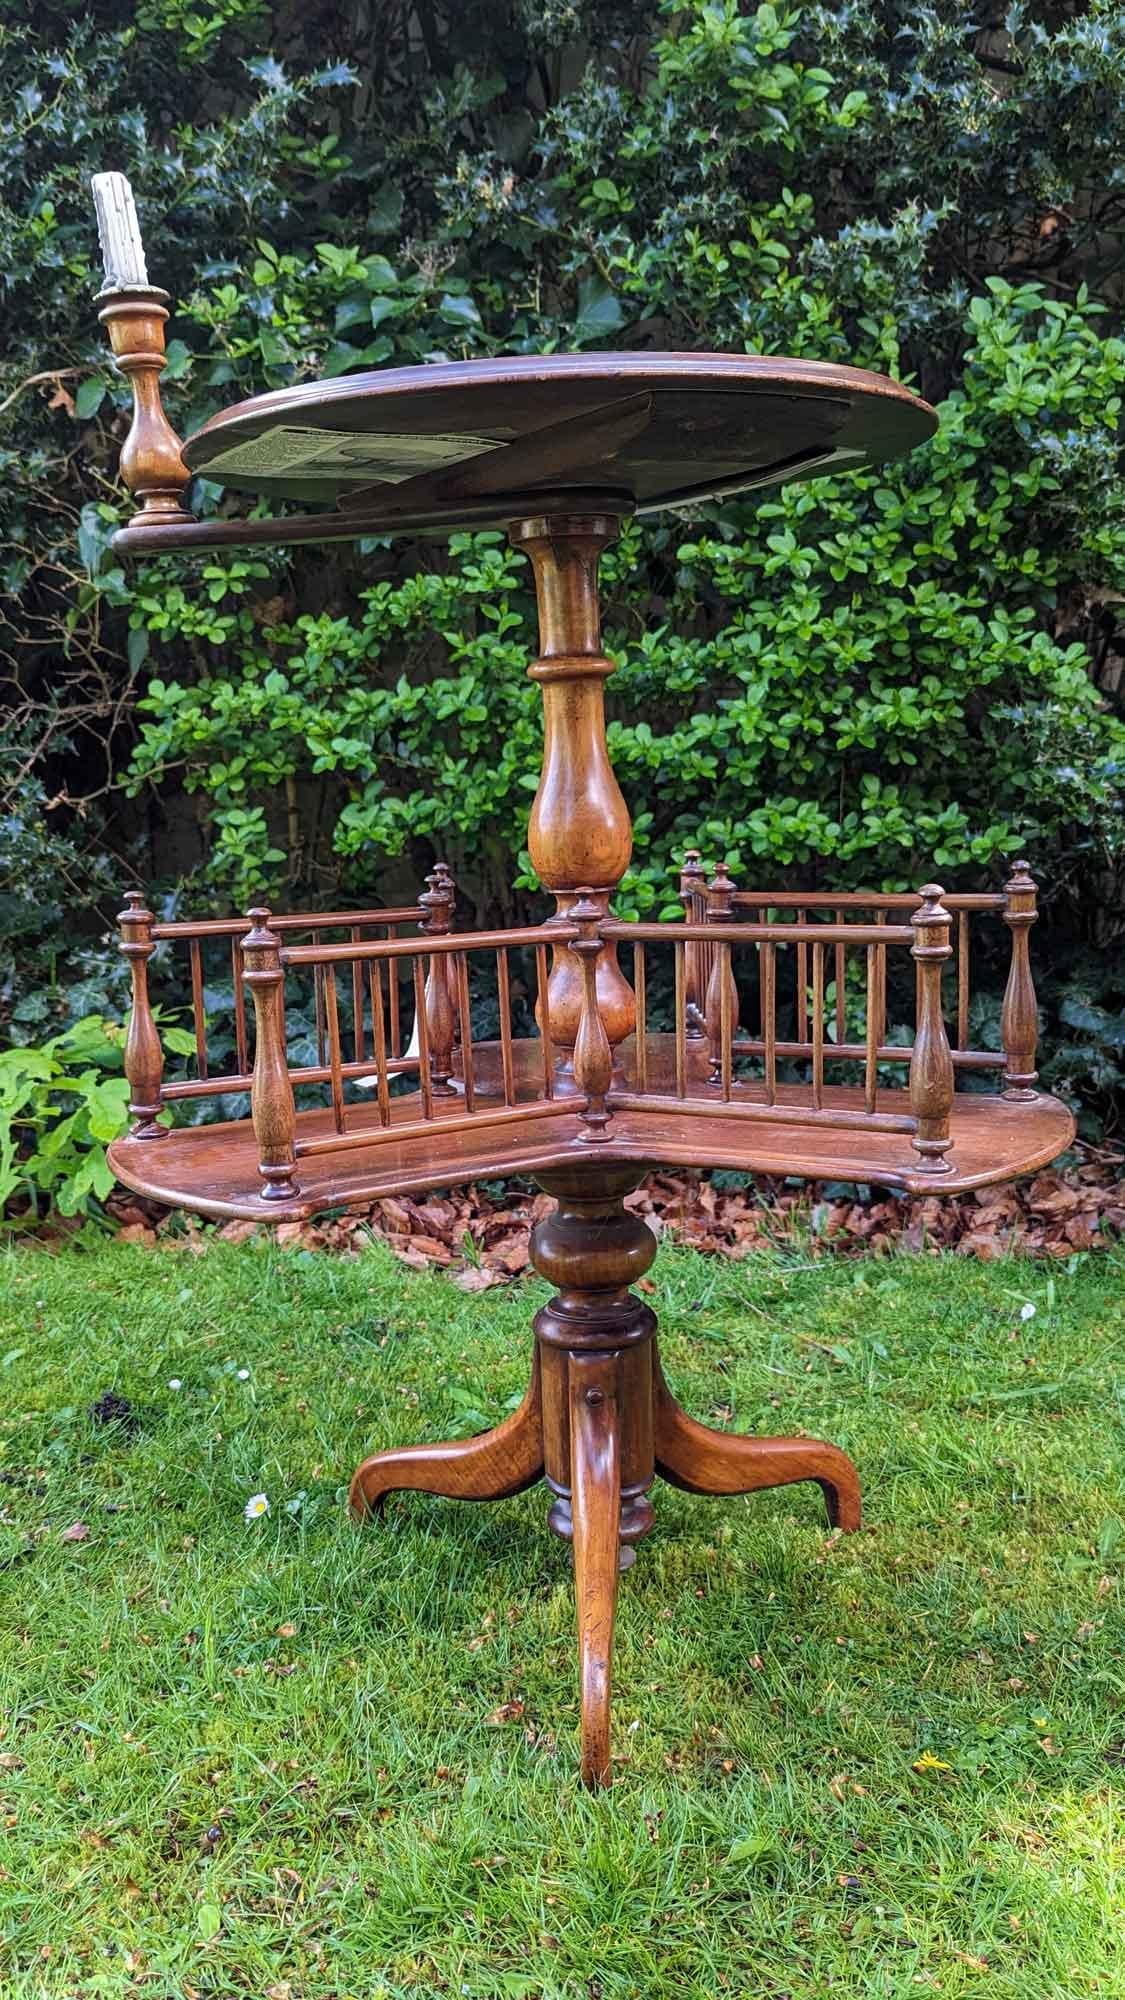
[598, 1423]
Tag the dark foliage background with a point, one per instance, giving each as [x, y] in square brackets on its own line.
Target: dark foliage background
[861, 681]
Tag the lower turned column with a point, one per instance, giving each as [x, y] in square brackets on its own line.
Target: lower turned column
[595, 1347]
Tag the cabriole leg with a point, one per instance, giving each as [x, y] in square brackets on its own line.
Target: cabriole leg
[699, 1460]
[490, 1467]
[595, 1448]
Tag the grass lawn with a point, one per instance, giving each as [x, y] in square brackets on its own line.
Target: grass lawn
[263, 1759]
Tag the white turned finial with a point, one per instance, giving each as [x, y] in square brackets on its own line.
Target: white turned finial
[119, 234]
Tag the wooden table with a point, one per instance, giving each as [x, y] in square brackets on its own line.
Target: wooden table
[558, 450]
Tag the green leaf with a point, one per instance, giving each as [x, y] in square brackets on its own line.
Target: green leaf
[459, 309]
[178, 360]
[209, 1921]
[599, 311]
[384, 216]
[90, 396]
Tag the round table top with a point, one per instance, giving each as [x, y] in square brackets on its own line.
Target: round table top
[654, 430]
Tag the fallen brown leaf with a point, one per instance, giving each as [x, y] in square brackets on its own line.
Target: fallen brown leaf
[508, 1711]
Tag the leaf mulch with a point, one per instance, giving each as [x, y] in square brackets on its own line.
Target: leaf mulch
[479, 1234]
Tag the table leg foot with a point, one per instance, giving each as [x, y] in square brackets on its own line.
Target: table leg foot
[596, 1508]
[699, 1460]
[500, 1462]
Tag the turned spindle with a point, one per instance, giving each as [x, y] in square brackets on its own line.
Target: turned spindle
[437, 900]
[1019, 1019]
[144, 1057]
[272, 1109]
[697, 968]
[931, 1060]
[721, 1010]
[134, 314]
[593, 1053]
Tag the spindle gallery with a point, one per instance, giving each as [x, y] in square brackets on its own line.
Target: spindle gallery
[780, 1032]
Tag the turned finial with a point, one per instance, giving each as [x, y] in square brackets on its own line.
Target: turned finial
[931, 1060]
[693, 875]
[719, 893]
[593, 1052]
[134, 314]
[438, 899]
[697, 957]
[144, 1057]
[272, 1106]
[1019, 1019]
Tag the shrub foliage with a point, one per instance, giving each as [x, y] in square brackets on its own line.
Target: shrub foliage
[860, 679]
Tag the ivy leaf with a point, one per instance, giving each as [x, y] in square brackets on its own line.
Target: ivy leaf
[385, 214]
[460, 309]
[178, 360]
[599, 310]
[89, 397]
[93, 537]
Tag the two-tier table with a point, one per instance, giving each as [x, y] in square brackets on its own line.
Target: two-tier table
[715, 1041]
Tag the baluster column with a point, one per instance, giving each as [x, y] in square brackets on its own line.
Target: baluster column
[1019, 1019]
[693, 895]
[437, 902]
[144, 1057]
[931, 1060]
[720, 910]
[593, 1052]
[579, 833]
[272, 1108]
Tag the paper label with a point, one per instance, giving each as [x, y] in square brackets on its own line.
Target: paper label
[315, 454]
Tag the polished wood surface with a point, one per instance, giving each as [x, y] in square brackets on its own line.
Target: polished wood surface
[694, 425]
[1019, 1021]
[595, 1488]
[931, 1060]
[599, 1423]
[579, 834]
[151, 462]
[490, 1467]
[700, 1460]
[144, 1055]
[214, 1169]
[272, 1107]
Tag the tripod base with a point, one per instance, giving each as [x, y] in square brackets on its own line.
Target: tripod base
[598, 1423]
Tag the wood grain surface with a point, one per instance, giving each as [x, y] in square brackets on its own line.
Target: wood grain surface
[708, 424]
[214, 1169]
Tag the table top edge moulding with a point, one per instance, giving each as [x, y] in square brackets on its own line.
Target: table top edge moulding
[781, 1030]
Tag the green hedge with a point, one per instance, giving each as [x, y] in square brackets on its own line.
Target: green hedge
[859, 680]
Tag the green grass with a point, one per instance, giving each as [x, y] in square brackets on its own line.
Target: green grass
[197, 1800]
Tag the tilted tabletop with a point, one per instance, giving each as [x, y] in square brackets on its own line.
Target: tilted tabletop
[650, 430]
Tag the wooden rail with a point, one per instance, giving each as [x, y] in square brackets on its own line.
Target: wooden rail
[370, 995]
[718, 901]
[808, 945]
[142, 935]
